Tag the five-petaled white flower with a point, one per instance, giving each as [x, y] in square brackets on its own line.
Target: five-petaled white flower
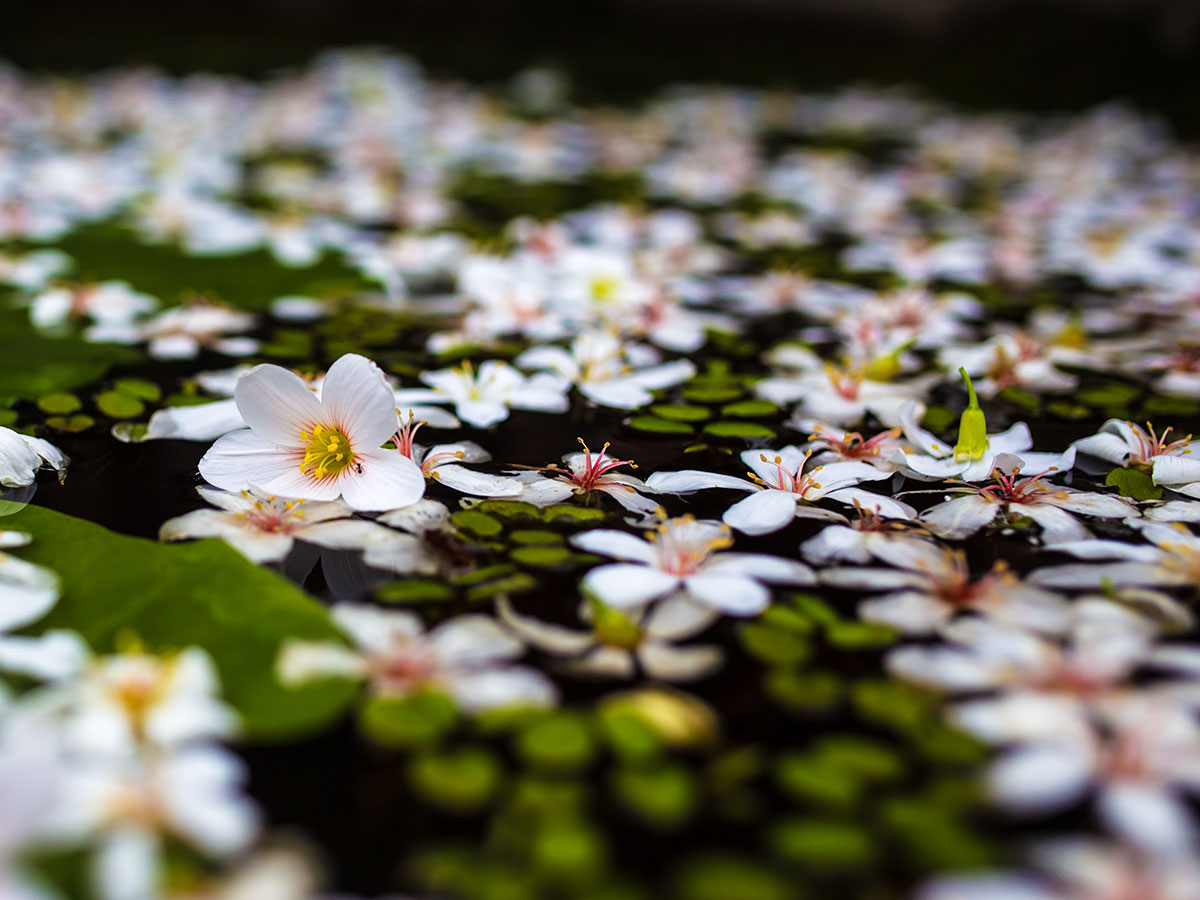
[780, 489]
[319, 449]
[484, 398]
[683, 555]
[468, 657]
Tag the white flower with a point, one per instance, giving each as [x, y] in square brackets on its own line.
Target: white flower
[620, 643]
[1052, 507]
[975, 455]
[608, 372]
[781, 491]
[22, 455]
[108, 304]
[299, 446]
[112, 705]
[27, 591]
[1141, 755]
[468, 657]
[181, 332]
[441, 462]
[841, 396]
[484, 398]
[1015, 360]
[132, 805]
[1171, 559]
[930, 585]
[682, 555]
[829, 443]
[1130, 446]
[263, 527]
[587, 473]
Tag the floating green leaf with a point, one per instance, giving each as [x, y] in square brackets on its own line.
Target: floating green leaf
[681, 412]
[461, 781]
[822, 843]
[414, 590]
[749, 430]
[750, 409]
[476, 523]
[117, 405]
[655, 425]
[560, 742]
[59, 403]
[416, 720]
[1134, 483]
[663, 797]
[140, 388]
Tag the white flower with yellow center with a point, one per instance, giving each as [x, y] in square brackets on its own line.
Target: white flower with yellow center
[682, 555]
[319, 449]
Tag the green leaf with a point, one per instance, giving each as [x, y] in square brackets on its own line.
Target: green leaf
[415, 720]
[1134, 483]
[1018, 396]
[32, 365]
[774, 646]
[815, 781]
[663, 797]
[712, 877]
[750, 409]
[713, 393]
[414, 590]
[476, 523]
[738, 430]
[655, 425]
[535, 536]
[821, 843]
[509, 509]
[116, 405]
[202, 593]
[460, 781]
[859, 635]
[540, 556]
[140, 388]
[803, 691]
[564, 512]
[681, 412]
[59, 403]
[71, 423]
[561, 742]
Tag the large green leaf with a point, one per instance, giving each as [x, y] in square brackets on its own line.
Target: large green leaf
[250, 279]
[31, 365]
[173, 595]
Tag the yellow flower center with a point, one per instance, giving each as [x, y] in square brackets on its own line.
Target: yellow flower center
[328, 452]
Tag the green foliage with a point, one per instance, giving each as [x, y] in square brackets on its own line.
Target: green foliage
[1134, 483]
[414, 720]
[202, 593]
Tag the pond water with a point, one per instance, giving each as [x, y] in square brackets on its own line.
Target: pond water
[874, 375]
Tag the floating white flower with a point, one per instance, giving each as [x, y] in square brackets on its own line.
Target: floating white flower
[780, 489]
[264, 527]
[468, 657]
[21, 455]
[585, 474]
[442, 462]
[931, 585]
[301, 447]
[607, 371]
[684, 555]
[1051, 506]
[484, 398]
[1132, 446]
[620, 642]
[974, 456]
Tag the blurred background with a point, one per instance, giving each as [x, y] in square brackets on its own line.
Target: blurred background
[1033, 54]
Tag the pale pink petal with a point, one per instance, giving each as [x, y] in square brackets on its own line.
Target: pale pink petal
[388, 480]
[356, 398]
[737, 596]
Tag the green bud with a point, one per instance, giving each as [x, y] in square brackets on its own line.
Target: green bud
[972, 427]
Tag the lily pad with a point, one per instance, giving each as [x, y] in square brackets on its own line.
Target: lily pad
[117, 405]
[748, 430]
[681, 412]
[750, 409]
[655, 425]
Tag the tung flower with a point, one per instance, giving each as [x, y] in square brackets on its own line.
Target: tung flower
[319, 449]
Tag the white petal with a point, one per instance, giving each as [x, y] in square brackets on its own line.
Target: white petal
[910, 612]
[355, 396]
[1039, 779]
[690, 480]
[479, 484]
[680, 663]
[618, 544]
[762, 512]
[203, 422]
[1148, 816]
[277, 405]
[1058, 526]
[507, 687]
[961, 517]
[760, 566]
[389, 480]
[625, 585]
[735, 595]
